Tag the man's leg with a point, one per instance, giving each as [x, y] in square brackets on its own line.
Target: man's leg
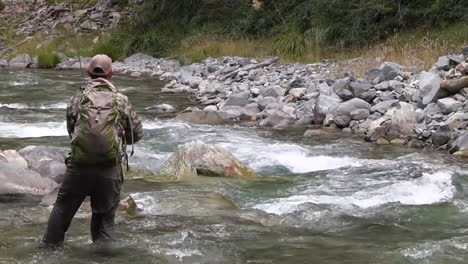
[105, 199]
[69, 200]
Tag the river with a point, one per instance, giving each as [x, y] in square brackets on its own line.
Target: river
[324, 200]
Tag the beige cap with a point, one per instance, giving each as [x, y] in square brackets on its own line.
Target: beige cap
[100, 65]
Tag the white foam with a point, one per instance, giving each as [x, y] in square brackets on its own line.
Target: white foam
[29, 130]
[27, 106]
[161, 125]
[428, 189]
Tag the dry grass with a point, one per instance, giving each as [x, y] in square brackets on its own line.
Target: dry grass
[419, 48]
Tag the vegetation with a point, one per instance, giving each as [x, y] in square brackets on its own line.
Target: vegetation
[293, 25]
[48, 59]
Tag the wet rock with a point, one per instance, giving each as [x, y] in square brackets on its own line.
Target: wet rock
[21, 61]
[162, 108]
[429, 85]
[15, 178]
[382, 141]
[460, 145]
[201, 117]
[200, 159]
[48, 162]
[448, 105]
[278, 119]
[441, 136]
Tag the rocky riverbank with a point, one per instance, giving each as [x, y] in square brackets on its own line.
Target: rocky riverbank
[392, 104]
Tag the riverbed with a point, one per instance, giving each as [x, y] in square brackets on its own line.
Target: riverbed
[333, 199]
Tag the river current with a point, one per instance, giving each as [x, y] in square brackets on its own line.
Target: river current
[327, 199]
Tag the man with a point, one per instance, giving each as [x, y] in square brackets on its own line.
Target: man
[101, 123]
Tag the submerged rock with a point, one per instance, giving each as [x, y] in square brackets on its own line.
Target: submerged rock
[48, 162]
[15, 178]
[200, 159]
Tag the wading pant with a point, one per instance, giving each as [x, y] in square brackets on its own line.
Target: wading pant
[102, 184]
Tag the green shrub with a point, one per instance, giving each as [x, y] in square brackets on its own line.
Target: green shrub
[292, 44]
[48, 60]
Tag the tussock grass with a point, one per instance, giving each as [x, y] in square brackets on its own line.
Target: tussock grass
[415, 48]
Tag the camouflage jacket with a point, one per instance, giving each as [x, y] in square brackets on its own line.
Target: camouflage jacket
[124, 107]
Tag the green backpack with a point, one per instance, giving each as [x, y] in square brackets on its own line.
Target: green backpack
[98, 135]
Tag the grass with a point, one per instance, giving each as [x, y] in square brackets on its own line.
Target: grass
[419, 48]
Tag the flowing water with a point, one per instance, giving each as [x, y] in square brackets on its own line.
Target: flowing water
[324, 200]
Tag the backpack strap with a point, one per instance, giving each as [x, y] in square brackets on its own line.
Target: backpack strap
[101, 82]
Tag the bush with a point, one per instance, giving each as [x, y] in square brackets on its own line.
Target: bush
[48, 60]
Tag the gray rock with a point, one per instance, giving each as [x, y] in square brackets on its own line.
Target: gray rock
[238, 99]
[3, 63]
[464, 51]
[448, 105]
[16, 178]
[368, 96]
[266, 101]
[298, 92]
[387, 71]
[384, 106]
[199, 159]
[342, 89]
[432, 109]
[325, 89]
[359, 114]
[323, 106]
[460, 145]
[201, 117]
[210, 108]
[273, 91]
[47, 161]
[382, 86]
[278, 119]
[445, 63]
[21, 61]
[359, 88]
[342, 114]
[429, 86]
[441, 136]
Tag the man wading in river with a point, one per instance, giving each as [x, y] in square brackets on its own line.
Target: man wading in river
[101, 123]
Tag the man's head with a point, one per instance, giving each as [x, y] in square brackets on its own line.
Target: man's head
[100, 66]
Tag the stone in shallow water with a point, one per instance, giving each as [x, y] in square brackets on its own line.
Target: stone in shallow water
[199, 159]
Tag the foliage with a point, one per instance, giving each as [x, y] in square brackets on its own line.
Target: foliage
[47, 59]
[294, 25]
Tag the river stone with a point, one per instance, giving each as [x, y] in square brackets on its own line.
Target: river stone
[162, 108]
[323, 106]
[448, 105]
[48, 162]
[368, 96]
[238, 99]
[278, 119]
[441, 136]
[359, 114]
[16, 179]
[384, 106]
[201, 117]
[460, 145]
[341, 88]
[262, 103]
[173, 202]
[21, 61]
[200, 159]
[359, 88]
[342, 114]
[273, 91]
[429, 86]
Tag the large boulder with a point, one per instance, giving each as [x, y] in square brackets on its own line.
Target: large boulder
[387, 71]
[429, 86]
[278, 119]
[48, 162]
[342, 114]
[200, 159]
[324, 105]
[21, 61]
[238, 99]
[201, 117]
[16, 178]
[448, 105]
